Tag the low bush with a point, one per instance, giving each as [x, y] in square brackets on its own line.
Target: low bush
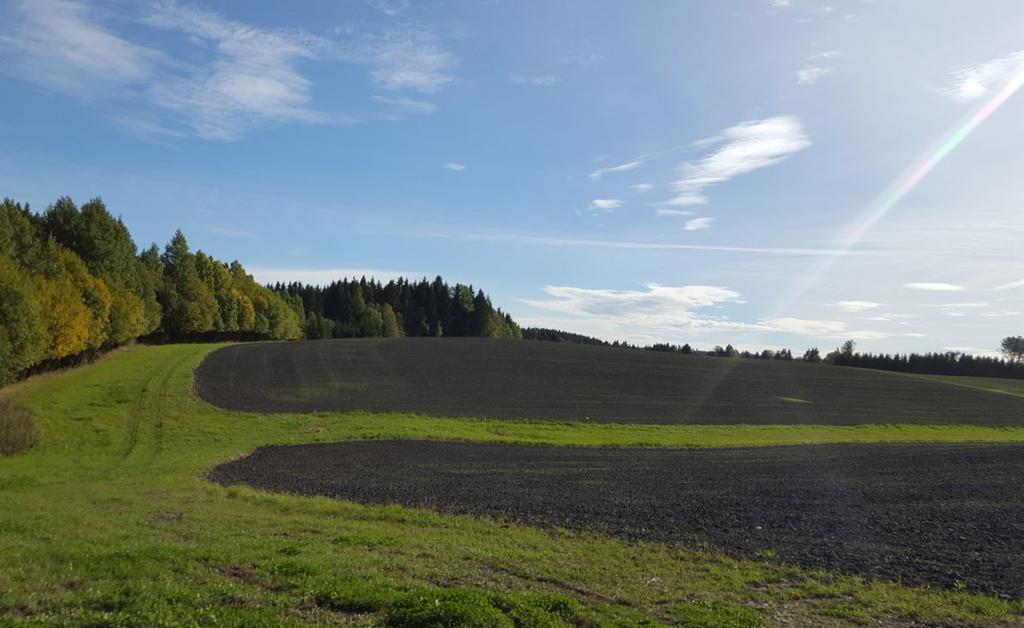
[18, 431]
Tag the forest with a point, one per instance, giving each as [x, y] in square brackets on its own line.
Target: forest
[367, 308]
[74, 284]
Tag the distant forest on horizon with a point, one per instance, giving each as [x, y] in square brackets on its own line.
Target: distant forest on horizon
[74, 284]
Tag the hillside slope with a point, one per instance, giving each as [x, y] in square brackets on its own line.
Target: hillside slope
[556, 381]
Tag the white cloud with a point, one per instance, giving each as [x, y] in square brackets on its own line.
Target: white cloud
[224, 77]
[746, 147]
[253, 77]
[698, 224]
[626, 167]
[782, 4]
[389, 7]
[969, 305]
[603, 205]
[648, 246]
[543, 80]
[640, 188]
[805, 327]
[665, 313]
[406, 105]
[451, 165]
[323, 276]
[668, 211]
[974, 82]
[857, 306]
[810, 74]
[1010, 286]
[933, 286]
[405, 59]
[654, 314]
[59, 45]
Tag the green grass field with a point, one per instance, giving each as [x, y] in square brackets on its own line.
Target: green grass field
[108, 520]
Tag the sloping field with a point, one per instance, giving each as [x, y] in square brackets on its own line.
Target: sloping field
[109, 520]
[554, 381]
[941, 515]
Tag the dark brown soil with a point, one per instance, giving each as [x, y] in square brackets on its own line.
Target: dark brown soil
[554, 381]
[942, 515]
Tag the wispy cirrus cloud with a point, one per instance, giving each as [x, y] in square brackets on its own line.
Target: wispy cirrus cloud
[453, 166]
[541, 80]
[976, 81]
[647, 246]
[668, 211]
[856, 306]
[818, 66]
[225, 78]
[744, 148]
[404, 59]
[626, 167]
[252, 78]
[1009, 286]
[403, 104]
[930, 286]
[640, 188]
[60, 45]
[698, 224]
[391, 8]
[604, 205]
[811, 74]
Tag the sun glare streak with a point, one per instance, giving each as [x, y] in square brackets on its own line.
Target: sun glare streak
[897, 191]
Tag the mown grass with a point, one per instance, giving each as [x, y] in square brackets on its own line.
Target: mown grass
[108, 520]
[18, 431]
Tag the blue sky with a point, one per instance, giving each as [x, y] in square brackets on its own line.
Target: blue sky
[703, 172]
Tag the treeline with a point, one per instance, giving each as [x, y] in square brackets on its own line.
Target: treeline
[366, 308]
[73, 284]
[557, 335]
[950, 363]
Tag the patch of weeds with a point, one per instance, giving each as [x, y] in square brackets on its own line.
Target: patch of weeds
[290, 569]
[362, 540]
[355, 596]
[428, 607]
[848, 611]
[717, 614]
[443, 608]
[468, 607]
[18, 432]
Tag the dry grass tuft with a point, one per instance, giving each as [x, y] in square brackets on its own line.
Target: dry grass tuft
[18, 431]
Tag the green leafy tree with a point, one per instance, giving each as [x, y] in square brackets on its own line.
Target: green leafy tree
[1013, 348]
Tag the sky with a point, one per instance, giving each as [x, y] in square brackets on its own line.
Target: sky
[766, 173]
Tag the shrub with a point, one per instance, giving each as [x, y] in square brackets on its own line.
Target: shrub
[17, 429]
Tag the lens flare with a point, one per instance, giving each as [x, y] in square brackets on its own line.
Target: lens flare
[897, 191]
[908, 183]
